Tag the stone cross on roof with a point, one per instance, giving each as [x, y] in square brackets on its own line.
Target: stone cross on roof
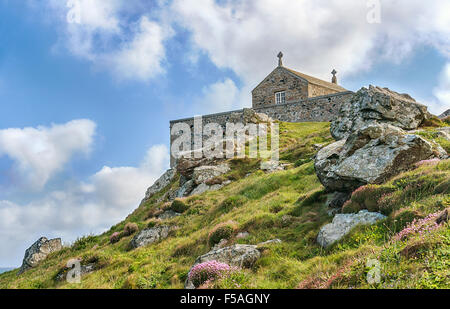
[334, 79]
[280, 59]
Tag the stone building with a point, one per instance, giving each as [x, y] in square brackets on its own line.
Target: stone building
[286, 95]
[284, 85]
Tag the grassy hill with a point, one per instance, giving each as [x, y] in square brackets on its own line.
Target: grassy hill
[289, 205]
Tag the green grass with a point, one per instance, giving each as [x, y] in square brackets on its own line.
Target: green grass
[288, 205]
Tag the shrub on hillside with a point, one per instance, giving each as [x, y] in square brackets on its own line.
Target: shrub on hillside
[179, 206]
[130, 229]
[115, 237]
[367, 197]
[84, 242]
[207, 272]
[221, 231]
[232, 202]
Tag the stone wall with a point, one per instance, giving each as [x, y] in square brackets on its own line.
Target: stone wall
[317, 109]
[279, 80]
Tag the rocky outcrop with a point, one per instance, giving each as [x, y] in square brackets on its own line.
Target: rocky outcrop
[150, 236]
[160, 184]
[39, 252]
[342, 225]
[240, 256]
[370, 156]
[445, 114]
[379, 105]
[372, 144]
[203, 174]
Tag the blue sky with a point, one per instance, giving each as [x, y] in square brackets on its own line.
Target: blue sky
[87, 95]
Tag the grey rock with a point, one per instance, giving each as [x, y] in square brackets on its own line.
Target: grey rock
[202, 188]
[160, 184]
[242, 235]
[269, 242]
[445, 114]
[242, 256]
[150, 236]
[337, 199]
[378, 105]
[342, 225]
[39, 252]
[222, 243]
[271, 166]
[204, 173]
[373, 154]
[168, 214]
[185, 189]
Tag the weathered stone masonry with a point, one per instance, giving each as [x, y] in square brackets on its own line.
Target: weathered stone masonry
[285, 95]
[316, 109]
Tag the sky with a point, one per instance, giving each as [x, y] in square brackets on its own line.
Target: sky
[88, 87]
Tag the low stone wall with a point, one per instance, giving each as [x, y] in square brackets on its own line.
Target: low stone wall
[317, 109]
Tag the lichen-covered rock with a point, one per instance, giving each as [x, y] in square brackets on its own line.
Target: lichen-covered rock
[203, 174]
[242, 256]
[378, 105]
[343, 223]
[168, 214]
[160, 184]
[371, 155]
[39, 252]
[185, 189]
[202, 188]
[445, 114]
[149, 236]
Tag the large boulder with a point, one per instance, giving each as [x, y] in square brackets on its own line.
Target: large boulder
[149, 236]
[342, 225]
[160, 184]
[237, 255]
[445, 114]
[202, 174]
[371, 155]
[379, 105]
[39, 252]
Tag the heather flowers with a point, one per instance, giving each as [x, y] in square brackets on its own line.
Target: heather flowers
[115, 237]
[428, 162]
[419, 227]
[208, 272]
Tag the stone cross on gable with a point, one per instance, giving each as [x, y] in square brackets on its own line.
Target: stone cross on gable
[334, 79]
[280, 59]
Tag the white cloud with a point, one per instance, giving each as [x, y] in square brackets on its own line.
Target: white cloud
[89, 207]
[315, 36]
[218, 97]
[114, 36]
[142, 57]
[442, 91]
[39, 153]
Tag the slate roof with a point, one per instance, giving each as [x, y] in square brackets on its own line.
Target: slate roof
[316, 81]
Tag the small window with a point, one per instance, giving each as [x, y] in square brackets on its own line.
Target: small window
[280, 97]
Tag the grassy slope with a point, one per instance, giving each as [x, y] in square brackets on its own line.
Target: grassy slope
[288, 205]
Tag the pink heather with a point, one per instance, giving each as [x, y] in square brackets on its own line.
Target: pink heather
[428, 162]
[420, 227]
[208, 271]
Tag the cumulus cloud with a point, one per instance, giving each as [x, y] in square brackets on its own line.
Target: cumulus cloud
[114, 36]
[218, 97]
[105, 199]
[39, 153]
[442, 91]
[315, 36]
